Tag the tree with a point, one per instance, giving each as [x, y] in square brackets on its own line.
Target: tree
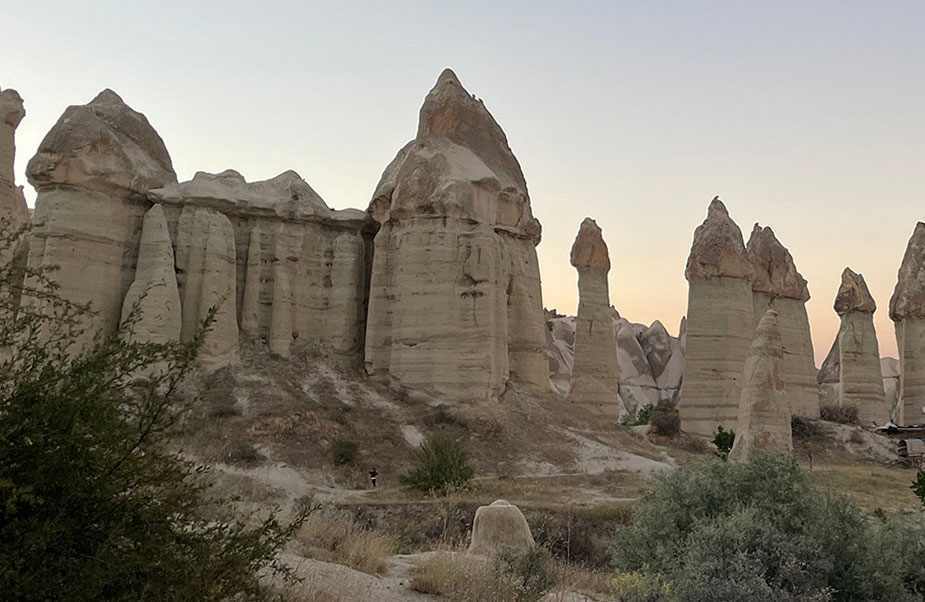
[724, 440]
[94, 502]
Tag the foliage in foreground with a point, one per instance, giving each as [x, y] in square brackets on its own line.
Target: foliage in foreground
[724, 440]
[918, 485]
[441, 465]
[93, 502]
[760, 531]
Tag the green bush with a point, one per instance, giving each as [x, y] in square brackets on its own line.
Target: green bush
[665, 419]
[526, 572]
[760, 531]
[918, 485]
[441, 465]
[840, 414]
[345, 452]
[641, 416]
[724, 440]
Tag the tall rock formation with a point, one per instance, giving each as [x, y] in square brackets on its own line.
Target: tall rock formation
[777, 284]
[828, 378]
[455, 307]
[861, 382]
[153, 294]
[12, 202]
[764, 410]
[719, 324]
[298, 269]
[907, 310]
[595, 379]
[92, 172]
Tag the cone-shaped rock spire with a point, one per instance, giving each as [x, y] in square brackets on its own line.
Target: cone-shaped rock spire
[907, 310]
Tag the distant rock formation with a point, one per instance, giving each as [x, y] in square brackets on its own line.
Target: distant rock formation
[777, 284]
[861, 382]
[12, 201]
[907, 310]
[720, 324]
[889, 367]
[829, 377]
[764, 412]
[498, 525]
[153, 293]
[594, 379]
[92, 172]
[455, 306]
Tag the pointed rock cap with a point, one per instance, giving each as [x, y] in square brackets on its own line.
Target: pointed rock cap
[103, 146]
[767, 339]
[589, 250]
[718, 248]
[775, 272]
[11, 108]
[450, 112]
[908, 300]
[853, 295]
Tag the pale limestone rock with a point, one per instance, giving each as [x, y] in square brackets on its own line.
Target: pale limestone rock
[12, 201]
[720, 324]
[595, 380]
[829, 377]
[889, 367]
[206, 264]
[154, 293]
[498, 525]
[637, 385]
[656, 342]
[301, 267]
[778, 285]
[764, 413]
[682, 334]
[560, 349]
[91, 172]
[861, 383]
[907, 310]
[455, 308]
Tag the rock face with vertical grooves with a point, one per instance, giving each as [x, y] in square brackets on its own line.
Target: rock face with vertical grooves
[92, 172]
[154, 294]
[719, 324]
[299, 268]
[907, 310]
[861, 382]
[764, 411]
[499, 525]
[777, 284]
[455, 307]
[12, 202]
[595, 378]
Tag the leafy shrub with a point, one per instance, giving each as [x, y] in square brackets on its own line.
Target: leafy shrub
[918, 485]
[638, 587]
[804, 428]
[724, 440]
[641, 416]
[840, 414]
[345, 452]
[760, 531]
[665, 419]
[441, 465]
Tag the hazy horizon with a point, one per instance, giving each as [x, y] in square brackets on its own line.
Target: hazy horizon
[807, 120]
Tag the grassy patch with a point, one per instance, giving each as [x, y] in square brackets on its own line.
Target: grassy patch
[334, 536]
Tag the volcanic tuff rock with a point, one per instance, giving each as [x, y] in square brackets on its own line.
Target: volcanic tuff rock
[861, 383]
[595, 379]
[299, 268]
[498, 525]
[154, 293]
[777, 284]
[12, 201]
[907, 310]
[719, 324]
[764, 412]
[829, 376]
[889, 367]
[91, 172]
[455, 307]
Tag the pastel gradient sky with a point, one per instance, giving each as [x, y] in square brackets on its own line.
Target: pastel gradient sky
[806, 116]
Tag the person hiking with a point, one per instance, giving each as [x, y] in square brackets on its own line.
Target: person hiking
[373, 473]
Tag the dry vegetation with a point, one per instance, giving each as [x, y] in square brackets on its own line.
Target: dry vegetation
[335, 536]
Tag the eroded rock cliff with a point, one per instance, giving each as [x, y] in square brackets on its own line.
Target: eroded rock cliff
[12, 202]
[907, 310]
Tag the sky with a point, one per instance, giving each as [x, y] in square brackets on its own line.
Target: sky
[805, 116]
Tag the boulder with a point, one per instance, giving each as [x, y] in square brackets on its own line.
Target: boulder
[595, 379]
[778, 285]
[907, 310]
[455, 307]
[92, 172]
[860, 383]
[501, 524]
[720, 324]
[764, 412]
[153, 294]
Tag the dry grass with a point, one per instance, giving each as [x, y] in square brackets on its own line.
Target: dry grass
[334, 536]
[870, 486]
